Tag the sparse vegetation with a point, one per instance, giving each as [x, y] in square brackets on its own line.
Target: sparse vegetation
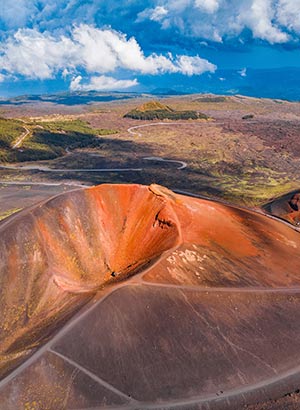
[211, 99]
[248, 117]
[73, 127]
[10, 130]
[8, 213]
[244, 162]
[49, 140]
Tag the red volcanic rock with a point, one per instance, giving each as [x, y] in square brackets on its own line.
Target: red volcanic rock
[56, 256]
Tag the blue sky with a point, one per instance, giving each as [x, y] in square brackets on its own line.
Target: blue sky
[133, 45]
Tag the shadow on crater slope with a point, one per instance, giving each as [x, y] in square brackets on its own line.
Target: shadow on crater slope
[286, 207]
[128, 296]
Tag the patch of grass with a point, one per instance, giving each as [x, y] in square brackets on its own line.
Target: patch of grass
[9, 212]
[74, 127]
[154, 106]
[211, 99]
[252, 190]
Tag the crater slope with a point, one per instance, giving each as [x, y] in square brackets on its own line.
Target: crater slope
[170, 302]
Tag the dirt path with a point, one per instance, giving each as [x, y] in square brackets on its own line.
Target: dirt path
[136, 127]
[48, 169]
[233, 394]
[22, 137]
[181, 163]
[44, 183]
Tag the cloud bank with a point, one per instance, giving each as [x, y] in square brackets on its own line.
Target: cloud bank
[274, 21]
[35, 55]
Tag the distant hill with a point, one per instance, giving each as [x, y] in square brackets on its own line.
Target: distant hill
[154, 106]
[67, 98]
[212, 99]
[154, 110]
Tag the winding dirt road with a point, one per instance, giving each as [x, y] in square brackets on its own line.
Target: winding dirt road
[22, 137]
[43, 183]
[48, 169]
[181, 163]
[136, 127]
[20, 140]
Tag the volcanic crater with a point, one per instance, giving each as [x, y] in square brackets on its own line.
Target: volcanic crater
[131, 297]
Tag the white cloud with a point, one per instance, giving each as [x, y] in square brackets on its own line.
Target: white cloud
[2, 78]
[42, 56]
[101, 83]
[158, 13]
[288, 14]
[35, 55]
[209, 6]
[243, 72]
[19, 13]
[194, 65]
[104, 51]
[274, 21]
[260, 19]
[65, 73]
[76, 83]
[15, 13]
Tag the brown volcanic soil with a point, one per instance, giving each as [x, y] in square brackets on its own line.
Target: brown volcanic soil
[19, 195]
[243, 161]
[190, 304]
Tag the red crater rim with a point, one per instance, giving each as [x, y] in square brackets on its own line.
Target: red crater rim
[212, 265]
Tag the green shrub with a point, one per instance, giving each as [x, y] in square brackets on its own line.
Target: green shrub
[211, 99]
[10, 130]
[164, 114]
